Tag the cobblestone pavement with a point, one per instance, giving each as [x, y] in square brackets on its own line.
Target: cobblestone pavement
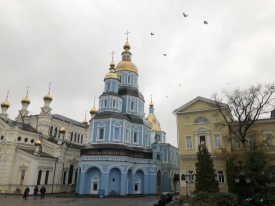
[14, 200]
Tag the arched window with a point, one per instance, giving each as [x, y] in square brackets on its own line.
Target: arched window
[78, 138]
[51, 130]
[201, 120]
[64, 178]
[74, 137]
[75, 177]
[46, 177]
[55, 132]
[71, 171]
[158, 157]
[22, 177]
[39, 177]
[81, 139]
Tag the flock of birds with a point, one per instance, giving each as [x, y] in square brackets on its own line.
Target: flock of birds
[185, 15]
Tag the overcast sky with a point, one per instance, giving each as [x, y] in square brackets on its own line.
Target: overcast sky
[69, 43]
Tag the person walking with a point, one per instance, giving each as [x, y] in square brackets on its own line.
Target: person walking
[26, 193]
[35, 191]
[42, 191]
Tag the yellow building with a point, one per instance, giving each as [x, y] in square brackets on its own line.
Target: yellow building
[196, 125]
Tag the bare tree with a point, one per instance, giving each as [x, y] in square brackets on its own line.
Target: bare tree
[243, 108]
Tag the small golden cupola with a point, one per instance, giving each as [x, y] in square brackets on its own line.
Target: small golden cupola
[38, 143]
[112, 73]
[126, 63]
[155, 125]
[93, 111]
[26, 99]
[6, 104]
[62, 130]
[85, 121]
[48, 96]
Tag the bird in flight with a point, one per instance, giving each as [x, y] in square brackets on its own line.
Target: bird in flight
[205, 22]
[180, 84]
[164, 54]
[166, 96]
[185, 15]
[152, 34]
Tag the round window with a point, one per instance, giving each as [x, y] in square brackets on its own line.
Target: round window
[2, 137]
[18, 139]
[32, 141]
[26, 139]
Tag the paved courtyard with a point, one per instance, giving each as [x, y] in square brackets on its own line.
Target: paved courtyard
[14, 200]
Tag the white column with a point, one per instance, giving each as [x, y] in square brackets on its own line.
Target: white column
[196, 141]
[208, 142]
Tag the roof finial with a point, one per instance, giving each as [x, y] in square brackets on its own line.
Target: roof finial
[127, 34]
[151, 103]
[113, 55]
[94, 99]
[50, 86]
[7, 94]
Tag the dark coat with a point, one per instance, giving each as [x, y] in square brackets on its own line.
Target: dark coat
[43, 190]
[26, 192]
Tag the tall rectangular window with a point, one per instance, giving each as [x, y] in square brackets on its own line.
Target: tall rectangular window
[101, 133]
[217, 140]
[132, 105]
[135, 137]
[114, 103]
[269, 137]
[127, 135]
[189, 142]
[129, 79]
[105, 102]
[221, 176]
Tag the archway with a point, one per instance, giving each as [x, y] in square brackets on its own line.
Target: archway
[159, 182]
[114, 181]
[92, 181]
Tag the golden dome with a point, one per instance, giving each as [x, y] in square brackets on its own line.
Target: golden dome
[48, 97]
[93, 110]
[38, 142]
[155, 125]
[62, 130]
[111, 75]
[126, 65]
[5, 103]
[127, 45]
[26, 100]
[85, 121]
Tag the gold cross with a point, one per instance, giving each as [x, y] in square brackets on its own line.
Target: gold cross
[94, 99]
[50, 86]
[113, 55]
[151, 96]
[8, 94]
[85, 114]
[28, 89]
[127, 34]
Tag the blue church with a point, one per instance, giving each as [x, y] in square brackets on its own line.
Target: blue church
[126, 152]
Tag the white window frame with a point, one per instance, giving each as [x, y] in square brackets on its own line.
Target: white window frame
[138, 183]
[217, 138]
[132, 102]
[202, 120]
[127, 134]
[129, 78]
[166, 155]
[94, 180]
[135, 131]
[118, 126]
[99, 127]
[186, 141]
[221, 177]
[105, 100]
[114, 101]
